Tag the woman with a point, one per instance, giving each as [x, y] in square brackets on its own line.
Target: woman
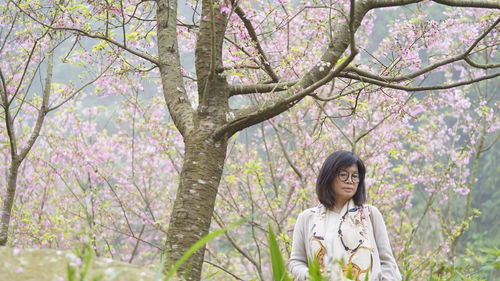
[342, 233]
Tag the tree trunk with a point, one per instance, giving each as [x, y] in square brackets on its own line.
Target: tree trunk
[195, 200]
[8, 202]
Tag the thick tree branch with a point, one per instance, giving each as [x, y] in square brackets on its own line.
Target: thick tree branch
[491, 4]
[208, 52]
[9, 123]
[413, 89]
[390, 3]
[212, 42]
[260, 88]
[253, 35]
[178, 103]
[312, 80]
[3, 93]
[251, 115]
[483, 66]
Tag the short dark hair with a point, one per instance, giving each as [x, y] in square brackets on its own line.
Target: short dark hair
[331, 167]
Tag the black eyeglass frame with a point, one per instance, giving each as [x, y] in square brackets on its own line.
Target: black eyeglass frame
[349, 175]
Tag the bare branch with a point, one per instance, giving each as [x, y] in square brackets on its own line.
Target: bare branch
[72, 95]
[132, 256]
[28, 87]
[26, 68]
[251, 115]
[223, 269]
[42, 111]
[8, 32]
[462, 56]
[285, 153]
[327, 116]
[109, 40]
[90, 35]
[365, 133]
[221, 224]
[250, 56]
[253, 35]
[120, 202]
[342, 93]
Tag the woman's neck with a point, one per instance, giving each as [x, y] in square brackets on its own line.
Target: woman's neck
[337, 207]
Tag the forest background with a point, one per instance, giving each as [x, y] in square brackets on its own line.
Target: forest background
[89, 152]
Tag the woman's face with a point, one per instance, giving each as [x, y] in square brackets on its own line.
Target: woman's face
[345, 184]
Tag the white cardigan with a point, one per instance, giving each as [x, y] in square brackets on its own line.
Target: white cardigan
[384, 265]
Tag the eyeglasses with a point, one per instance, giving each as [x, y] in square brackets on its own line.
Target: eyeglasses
[344, 176]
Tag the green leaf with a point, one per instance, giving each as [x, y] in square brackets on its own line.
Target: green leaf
[236, 73]
[415, 20]
[341, 60]
[132, 35]
[196, 246]
[349, 273]
[314, 270]
[277, 262]
[491, 251]
[99, 46]
[71, 273]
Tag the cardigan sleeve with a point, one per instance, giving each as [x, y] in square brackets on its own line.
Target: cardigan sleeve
[298, 257]
[389, 267]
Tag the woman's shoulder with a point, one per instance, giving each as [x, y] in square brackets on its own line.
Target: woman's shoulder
[307, 213]
[372, 209]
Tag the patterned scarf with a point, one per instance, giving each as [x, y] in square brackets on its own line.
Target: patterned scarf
[352, 252]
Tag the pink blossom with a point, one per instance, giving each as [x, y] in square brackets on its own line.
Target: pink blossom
[462, 190]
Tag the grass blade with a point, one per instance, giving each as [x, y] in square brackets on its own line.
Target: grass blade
[278, 264]
[196, 246]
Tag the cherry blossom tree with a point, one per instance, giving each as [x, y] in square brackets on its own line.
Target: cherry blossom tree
[26, 49]
[256, 60]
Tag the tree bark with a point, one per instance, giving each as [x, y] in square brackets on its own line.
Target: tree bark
[204, 155]
[8, 202]
[195, 200]
[194, 204]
